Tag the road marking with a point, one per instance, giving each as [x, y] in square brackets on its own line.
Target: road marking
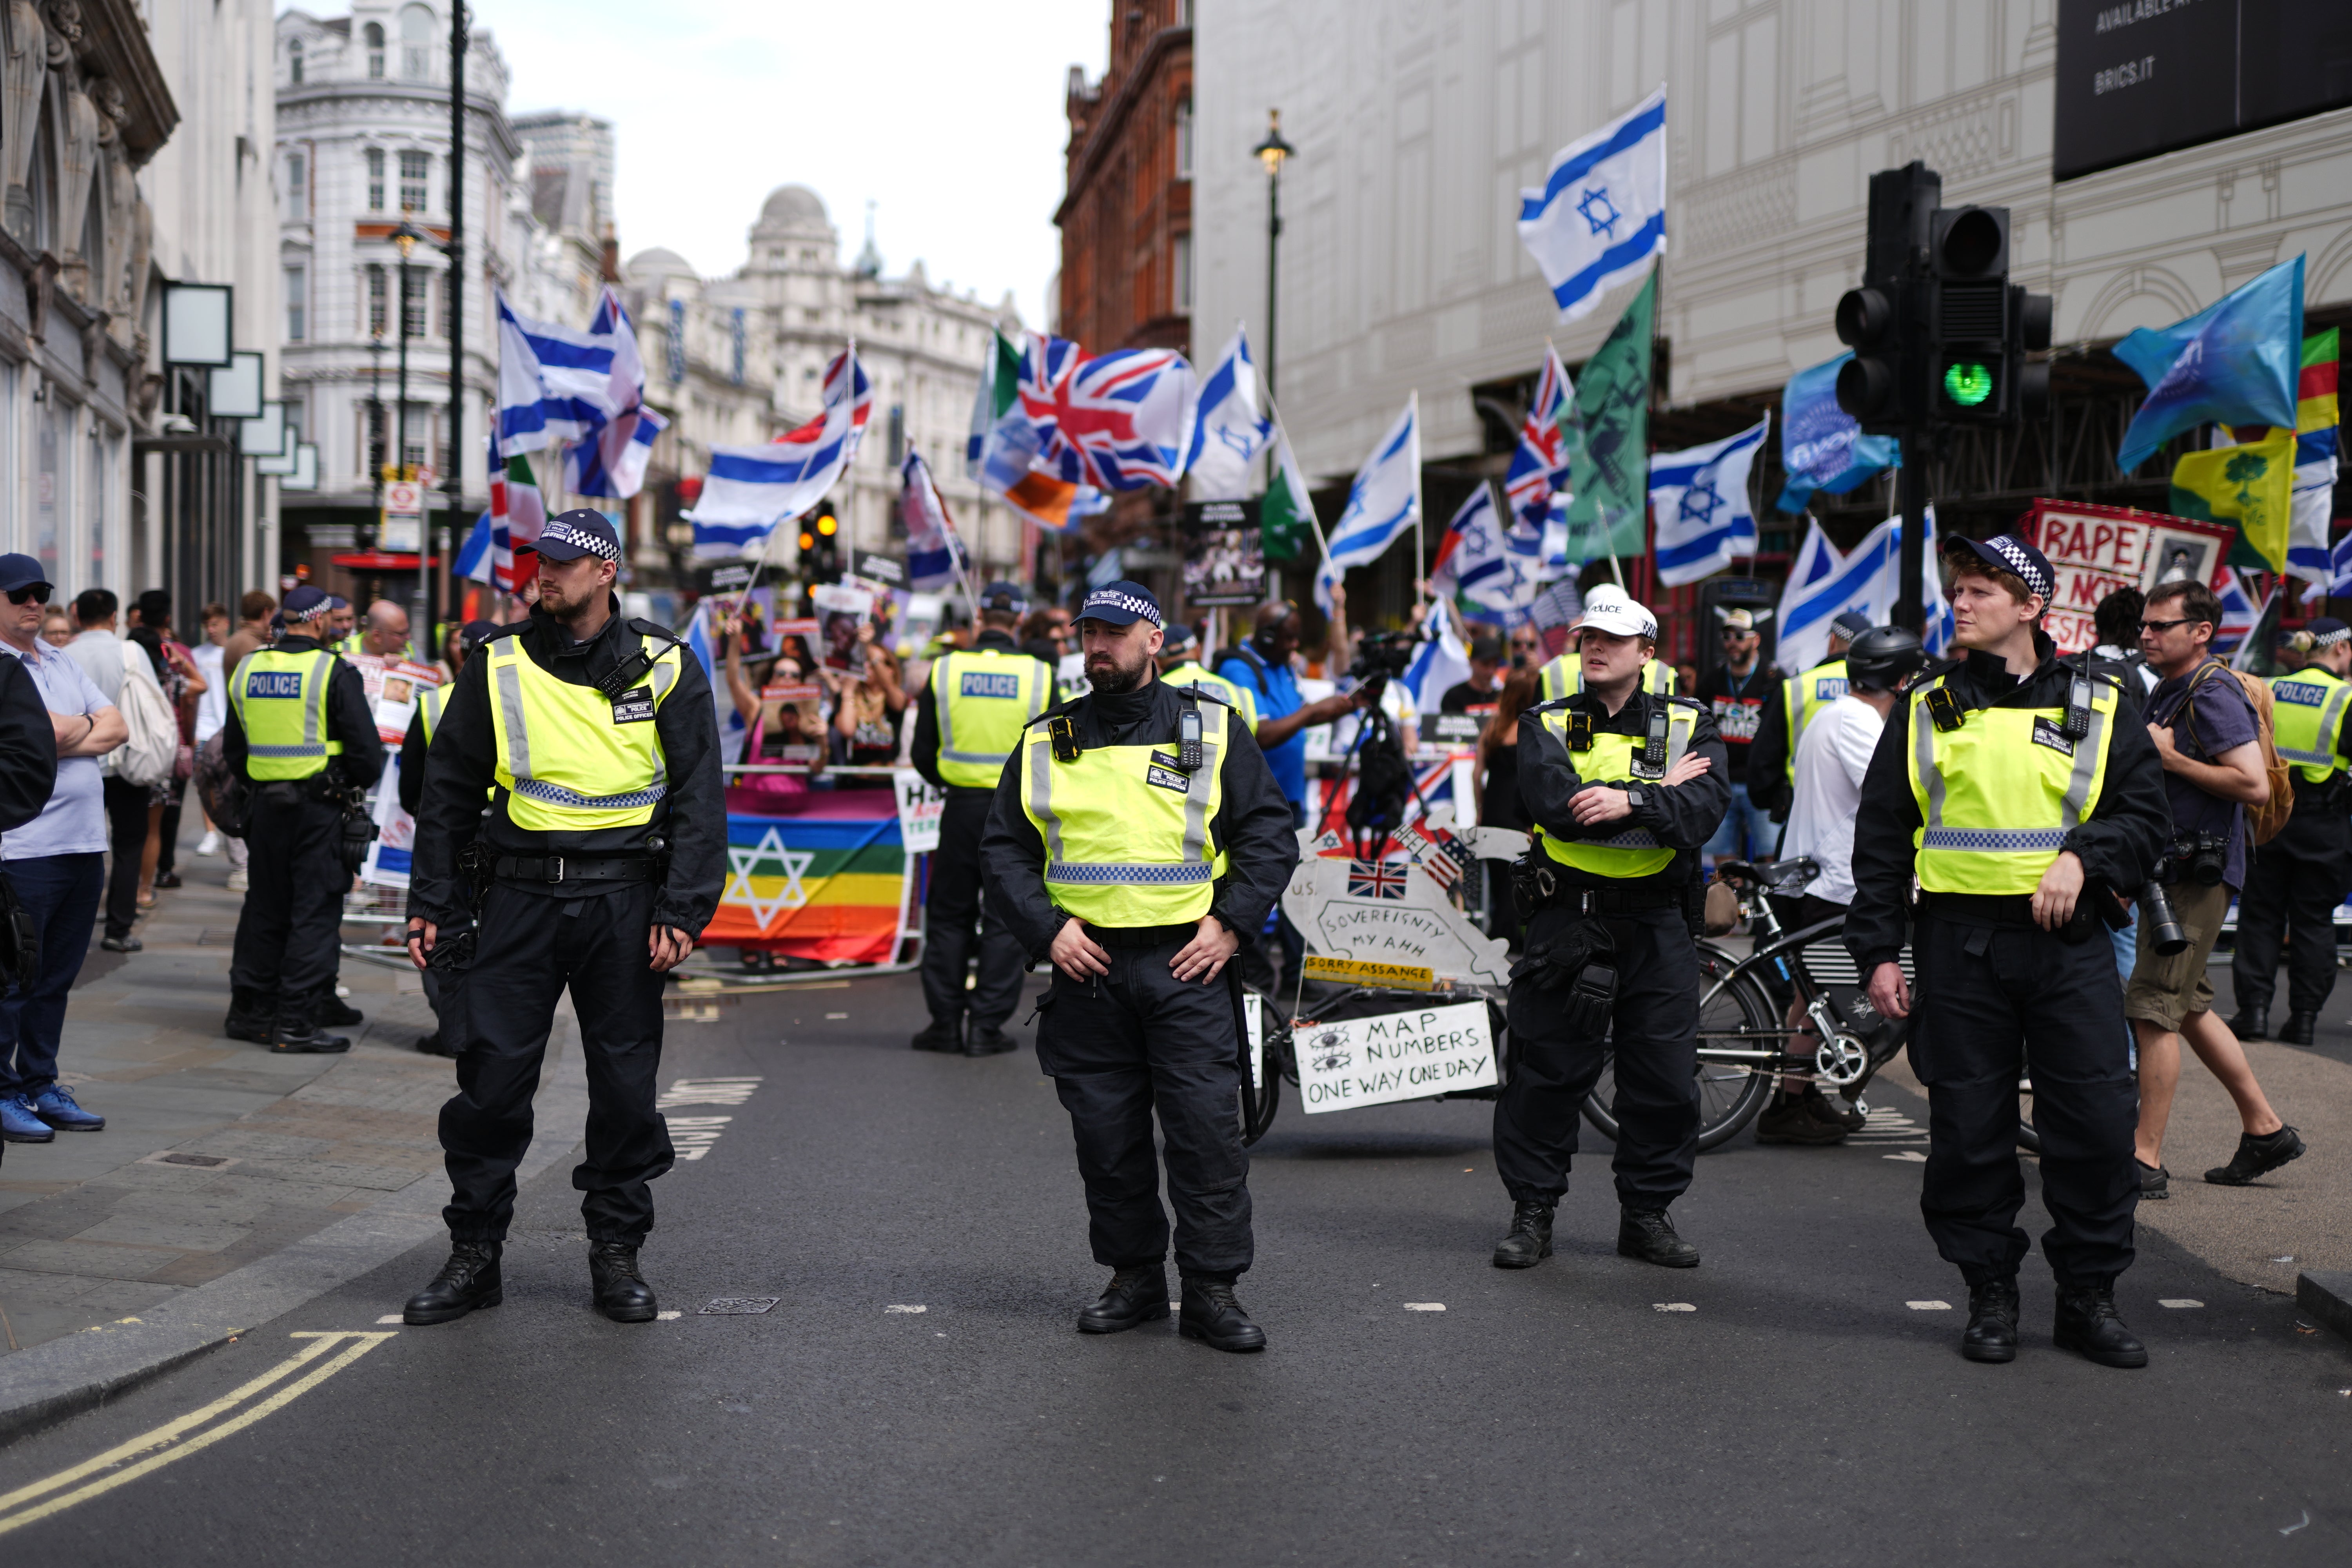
[906, 1309]
[178, 1438]
[1908, 1157]
[1672, 1307]
[667, 1317]
[693, 1136]
[1930, 1306]
[2177, 1301]
[1425, 1306]
[833, 1017]
[387, 1318]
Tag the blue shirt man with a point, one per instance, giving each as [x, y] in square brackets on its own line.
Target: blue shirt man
[1263, 667]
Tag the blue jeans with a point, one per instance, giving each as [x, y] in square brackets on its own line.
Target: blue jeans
[1748, 833]
[62, 892]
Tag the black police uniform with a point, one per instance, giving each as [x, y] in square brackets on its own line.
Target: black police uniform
[2293, 886]
[28, 747]
[1996, 991]
[1654, 1019]
[565, 910]
[1138, 1039]
[952, 904]
[281, 971]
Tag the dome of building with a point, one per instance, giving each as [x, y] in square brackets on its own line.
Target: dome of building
[793, 209]
[658, 263]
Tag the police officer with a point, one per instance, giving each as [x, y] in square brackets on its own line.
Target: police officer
[968, 719]
[2023, 792]
[1136, 837]
[414, 748]
[1564, 676]
[1623, 786]
[1772, 758]
[299, 731]
[1179, 665]
[2299, 876]
[604, 851]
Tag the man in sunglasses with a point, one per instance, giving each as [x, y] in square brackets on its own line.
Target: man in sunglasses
[56, 861]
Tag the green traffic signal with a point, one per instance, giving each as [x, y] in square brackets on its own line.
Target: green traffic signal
[1967, 382]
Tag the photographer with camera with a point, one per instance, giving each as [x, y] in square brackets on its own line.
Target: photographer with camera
[2013, 789]
[2208, 737]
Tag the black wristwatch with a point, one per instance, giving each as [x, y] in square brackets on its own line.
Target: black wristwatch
[1634, 799]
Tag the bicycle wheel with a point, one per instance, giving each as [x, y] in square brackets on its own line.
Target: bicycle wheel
[2028, 1137]
[1729, 1095]
[1259, 1103]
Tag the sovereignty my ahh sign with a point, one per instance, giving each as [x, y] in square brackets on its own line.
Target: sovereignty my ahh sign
[1396, 1055]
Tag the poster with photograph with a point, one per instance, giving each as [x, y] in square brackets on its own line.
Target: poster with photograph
[2094, 550]
[1224, 562]
[392, 685]
[791, 716]
[840, 610]
[795, 649]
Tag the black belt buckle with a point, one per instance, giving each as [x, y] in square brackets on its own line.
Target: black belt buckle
[553, 868]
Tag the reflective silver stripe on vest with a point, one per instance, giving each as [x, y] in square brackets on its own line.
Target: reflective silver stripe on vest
[511, 706]
[664, 675]
[2331, 727]
[1092, 874]
[1041, 788]
[943, 707]
[251, 750]
[556, 794]
[2003, 840]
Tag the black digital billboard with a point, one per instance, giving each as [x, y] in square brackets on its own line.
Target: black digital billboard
[2137, 78]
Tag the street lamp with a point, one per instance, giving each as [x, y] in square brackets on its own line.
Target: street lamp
[405, 237]
[375, 417]
[1271, 152]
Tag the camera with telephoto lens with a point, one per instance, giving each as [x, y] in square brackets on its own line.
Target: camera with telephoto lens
[2166, 936]
[2199, 857]
[1382, 655]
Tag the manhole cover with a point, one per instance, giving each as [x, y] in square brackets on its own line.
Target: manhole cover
[175, 1157]
[739, 1306]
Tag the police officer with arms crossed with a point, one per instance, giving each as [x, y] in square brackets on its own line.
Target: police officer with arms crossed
[1136, 837]
[2298, 878]
[300, 731]
[2021, 791]
[968, 719]
[1564, 676]
[1624, 784]
[604, 851]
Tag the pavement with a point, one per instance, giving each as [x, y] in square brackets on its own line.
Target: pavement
[874, 1255]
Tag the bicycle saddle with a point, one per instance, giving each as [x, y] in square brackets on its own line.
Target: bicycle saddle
[1773, 876]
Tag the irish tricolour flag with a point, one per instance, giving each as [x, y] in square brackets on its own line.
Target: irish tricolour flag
[1004, 444]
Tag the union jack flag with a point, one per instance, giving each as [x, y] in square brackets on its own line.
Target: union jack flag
[1539, 465]
[860, 411]
[1118, 421]
[1375, 879]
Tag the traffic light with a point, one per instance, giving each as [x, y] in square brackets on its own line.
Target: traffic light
[820, 552]
[1883, 321]
[1975, 376]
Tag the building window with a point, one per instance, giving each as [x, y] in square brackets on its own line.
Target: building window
[374, 36]
[411, 289]
[298, 186]
[735, 347]
[445, 301]
[375, 179]
[1185, 138]
[294, 60]
[415, 169]
[415, 43]
[298, 304]
[379, 319]
[1184, 279]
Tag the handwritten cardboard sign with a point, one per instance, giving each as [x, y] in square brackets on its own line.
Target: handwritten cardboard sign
[1350, 1062]
[2095, 549]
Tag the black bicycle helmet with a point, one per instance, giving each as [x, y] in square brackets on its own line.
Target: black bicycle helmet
[1882, 656]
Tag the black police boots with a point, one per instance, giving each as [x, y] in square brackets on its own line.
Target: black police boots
[621, 1293]
[1529, 1242]
[1649, 1235]
[469, 1279]
[1134, 1296]
[987, 1042]
[2252, 1023]
[248, 1016]
[295, 1030]
[2088, 1323]
[1991, 1333]
[940, 1038]
[336, 1013]
[2297, 1030]
[1211, 1315]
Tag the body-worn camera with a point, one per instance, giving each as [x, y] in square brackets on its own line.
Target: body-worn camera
[2198, 857]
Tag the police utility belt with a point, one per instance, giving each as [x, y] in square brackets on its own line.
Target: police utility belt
[553, 870]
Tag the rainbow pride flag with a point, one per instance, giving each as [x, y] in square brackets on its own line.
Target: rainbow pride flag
[828, 882]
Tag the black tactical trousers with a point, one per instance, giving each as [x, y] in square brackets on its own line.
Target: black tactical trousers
[531, 946]
[2293, 886]
[1122, 1046]
[953, 907]
[1653, 1047]
[1991, 1000]
[290, 933]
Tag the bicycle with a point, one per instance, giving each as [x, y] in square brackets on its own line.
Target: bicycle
[1276, 1059]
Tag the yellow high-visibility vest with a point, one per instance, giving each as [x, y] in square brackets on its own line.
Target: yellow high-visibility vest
[428, 708]
[983, 700]
[1127, 832]
[570, 761]
[1191, 674]
[1802, 696]
[281, 704]
[2307, 720]
[1564, 677]
[1634, 851]
[1997, 795]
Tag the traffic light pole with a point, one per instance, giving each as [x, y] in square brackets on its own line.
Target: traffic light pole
[1911, 486]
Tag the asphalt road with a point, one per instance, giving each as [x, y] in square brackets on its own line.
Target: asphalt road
[1792, 1408]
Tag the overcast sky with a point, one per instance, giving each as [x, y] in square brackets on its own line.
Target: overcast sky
[945, 114]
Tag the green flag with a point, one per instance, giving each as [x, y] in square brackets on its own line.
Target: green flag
[1287, 515]
[1609, 467]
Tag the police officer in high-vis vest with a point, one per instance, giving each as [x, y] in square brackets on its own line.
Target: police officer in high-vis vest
[2023, 792]
[600, 860]
[1623, 786]
[1564, 676]
[413, 749]
[968, 721]
[1137, 837]
[1179, 665]
[2298, 878]
[298, 729]
[1772, 756]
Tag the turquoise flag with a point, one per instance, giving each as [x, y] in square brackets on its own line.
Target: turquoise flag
[2233, 363]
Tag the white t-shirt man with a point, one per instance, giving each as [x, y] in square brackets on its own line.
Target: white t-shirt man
[1831, 758]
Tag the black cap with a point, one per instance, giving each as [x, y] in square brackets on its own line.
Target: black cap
[306, 603]
[569, 535]
[1007, 599]
[1851, 624]
[21, 571]
[1176, 637]
[473, 633]
[1121, 603]
[2006, 552]
[2326, 631]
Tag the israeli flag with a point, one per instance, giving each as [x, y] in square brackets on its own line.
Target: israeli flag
[1826, 583]
[1601, 213]
[1230, 432]
[555, 382]
[1699, 498]
[1383, 503]
[1472, 560]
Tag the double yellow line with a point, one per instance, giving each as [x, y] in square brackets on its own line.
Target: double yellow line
[177, 1439]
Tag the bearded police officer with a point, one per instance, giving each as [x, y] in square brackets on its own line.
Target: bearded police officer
[2298, 878]
[300, 729]
[968, 719]
[598, 863]
[1623, 786]
[1772, 758]
[2023, 792]
[1136, 838]
[430, 702]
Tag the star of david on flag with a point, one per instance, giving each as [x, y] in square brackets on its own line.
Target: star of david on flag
[1699, 498]
[769, 852]
[1601, 213]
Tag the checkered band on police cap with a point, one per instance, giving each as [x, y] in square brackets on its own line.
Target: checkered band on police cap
[1121, 603]
[2012, 554]
[2326, 631]
[596, 543]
